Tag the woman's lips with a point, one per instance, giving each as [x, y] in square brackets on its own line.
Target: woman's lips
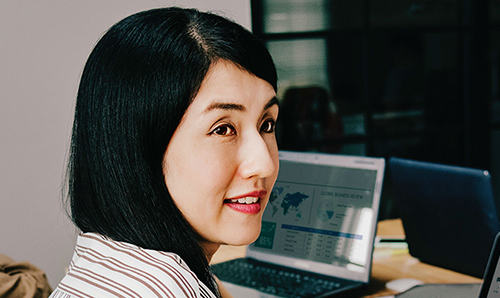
[252, 208]
[253, 194]
[248, 203]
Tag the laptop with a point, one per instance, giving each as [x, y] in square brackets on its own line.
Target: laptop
[489, 288]
[491, 279]
[448, 213]
[317, 233]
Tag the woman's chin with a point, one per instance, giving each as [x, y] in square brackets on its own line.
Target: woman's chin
[244, 238]
[245, 241]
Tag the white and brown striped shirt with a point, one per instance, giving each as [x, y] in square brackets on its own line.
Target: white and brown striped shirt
[102, 267]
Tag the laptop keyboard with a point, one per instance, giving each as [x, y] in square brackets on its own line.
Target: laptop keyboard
[275, 279]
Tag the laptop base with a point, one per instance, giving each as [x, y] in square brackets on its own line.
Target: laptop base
[252, 278]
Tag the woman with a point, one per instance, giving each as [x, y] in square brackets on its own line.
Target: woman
[173, 154]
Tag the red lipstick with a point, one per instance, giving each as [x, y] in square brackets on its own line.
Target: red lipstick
[255, 194]
[251, 208]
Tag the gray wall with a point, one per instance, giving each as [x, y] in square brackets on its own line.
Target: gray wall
[43, 47]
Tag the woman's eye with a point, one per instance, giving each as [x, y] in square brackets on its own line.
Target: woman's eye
[224, 130]
[268, 126]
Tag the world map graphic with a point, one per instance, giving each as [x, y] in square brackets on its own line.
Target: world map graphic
[289, 203]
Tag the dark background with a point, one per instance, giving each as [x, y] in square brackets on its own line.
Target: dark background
[414, 79]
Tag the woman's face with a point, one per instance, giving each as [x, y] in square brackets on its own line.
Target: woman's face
[222, 161]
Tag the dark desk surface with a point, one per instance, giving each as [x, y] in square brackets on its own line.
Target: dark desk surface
[389, 263]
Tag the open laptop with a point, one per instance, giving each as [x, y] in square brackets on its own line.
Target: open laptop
[491, 278]
[489, 288]
[448, 213]
[317, 233]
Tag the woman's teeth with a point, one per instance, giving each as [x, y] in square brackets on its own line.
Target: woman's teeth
[247, 200]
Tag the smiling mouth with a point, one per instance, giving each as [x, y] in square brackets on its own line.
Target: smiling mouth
[246, 200]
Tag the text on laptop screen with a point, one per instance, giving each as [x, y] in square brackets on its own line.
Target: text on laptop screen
[325, 217]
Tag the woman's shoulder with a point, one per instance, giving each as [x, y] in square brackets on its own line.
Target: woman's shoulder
[102, 267]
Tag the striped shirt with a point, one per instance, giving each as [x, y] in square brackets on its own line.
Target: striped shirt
[101, 267]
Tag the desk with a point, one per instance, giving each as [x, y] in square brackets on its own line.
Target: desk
[388, 264]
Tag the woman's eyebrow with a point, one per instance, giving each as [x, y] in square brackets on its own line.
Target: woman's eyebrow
[237, 107]
[225, 106]
[272, 102]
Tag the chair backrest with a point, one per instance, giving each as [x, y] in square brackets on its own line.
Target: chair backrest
[309, 121]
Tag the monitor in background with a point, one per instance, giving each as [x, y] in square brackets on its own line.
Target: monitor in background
[448, 213]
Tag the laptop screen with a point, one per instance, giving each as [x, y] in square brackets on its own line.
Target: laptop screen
[491, 280]
[321, 213]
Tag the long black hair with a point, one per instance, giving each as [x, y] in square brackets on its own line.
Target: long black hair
[136, 85]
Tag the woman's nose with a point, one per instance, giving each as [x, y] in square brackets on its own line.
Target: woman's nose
[259, 157]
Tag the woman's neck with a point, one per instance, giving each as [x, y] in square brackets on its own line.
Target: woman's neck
[209, 249]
